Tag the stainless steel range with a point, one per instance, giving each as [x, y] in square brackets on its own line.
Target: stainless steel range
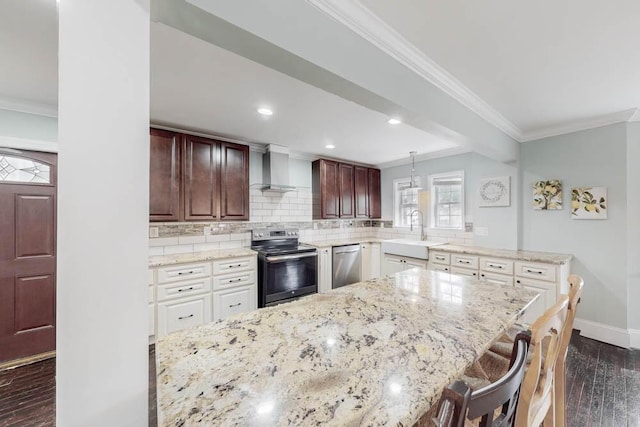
[287, 270]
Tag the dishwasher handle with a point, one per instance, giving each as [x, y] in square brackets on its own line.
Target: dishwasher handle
[346, 249]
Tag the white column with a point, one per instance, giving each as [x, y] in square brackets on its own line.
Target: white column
[102, 356]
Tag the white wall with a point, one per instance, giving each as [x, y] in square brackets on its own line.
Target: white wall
[594, 157]
[502, 222]
[102, 352]
[633, 230]
[28, 126]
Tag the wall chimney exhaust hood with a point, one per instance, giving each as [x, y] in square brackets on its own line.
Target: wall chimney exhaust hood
[275, 170]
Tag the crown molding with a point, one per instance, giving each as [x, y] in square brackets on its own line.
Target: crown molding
[29, 107]
[578, 125]
[426, 156]
[355, 16]
[28, 144]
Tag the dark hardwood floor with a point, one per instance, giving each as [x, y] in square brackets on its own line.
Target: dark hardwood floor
[603, 388]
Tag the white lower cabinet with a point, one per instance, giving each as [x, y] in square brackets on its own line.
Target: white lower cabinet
[151, 313]
[233, 301]
[376, 253]
[365, 265]
[175, 315]
[464, 272]
[392, 264]
[546, 299]
[325, 271]
[500, 279]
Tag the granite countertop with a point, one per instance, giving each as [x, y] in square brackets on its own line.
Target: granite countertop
[162, 260]
[329, 243]
[375, 353]
[531, 256]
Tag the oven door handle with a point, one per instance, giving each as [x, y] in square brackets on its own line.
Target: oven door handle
[290, 257]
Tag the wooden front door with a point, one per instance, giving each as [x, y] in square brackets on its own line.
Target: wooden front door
[27, 253]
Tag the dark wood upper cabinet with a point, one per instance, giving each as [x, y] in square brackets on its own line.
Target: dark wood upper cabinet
[343, 190]
[201, 167]
[375, 197]
[346, 190]
[164, 172]
[234, 188]
[361, 191]
[326, 197]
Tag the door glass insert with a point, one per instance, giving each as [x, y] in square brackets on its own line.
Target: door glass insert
[16, 169]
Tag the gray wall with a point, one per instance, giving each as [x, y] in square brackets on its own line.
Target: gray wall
[633, 224]
[502, 222]
[28, 126]
[595, 157]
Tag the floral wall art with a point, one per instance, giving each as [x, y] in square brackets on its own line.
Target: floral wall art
[494, 192]
[547, 195]
[589, 203]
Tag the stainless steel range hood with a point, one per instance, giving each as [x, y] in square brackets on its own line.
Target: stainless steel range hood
[275, 170]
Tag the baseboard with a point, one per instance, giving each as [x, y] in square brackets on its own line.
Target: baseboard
[605, 333]
[634, 338]
[26, 360]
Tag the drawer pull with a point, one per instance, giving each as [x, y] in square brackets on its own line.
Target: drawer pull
[235, 305]
[446, 269]
[235, 265]
[440, 258]
[461, 261]
[235, 280]
[186, 289]
[474, 274]
[517, 281]
[482, 274]
[495, 266]
[180, 273]
[185, 317]
[534, 271]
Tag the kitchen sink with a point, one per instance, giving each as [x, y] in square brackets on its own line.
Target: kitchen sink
[409, 248]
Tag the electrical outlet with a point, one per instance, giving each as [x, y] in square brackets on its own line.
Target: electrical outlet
[154, 232]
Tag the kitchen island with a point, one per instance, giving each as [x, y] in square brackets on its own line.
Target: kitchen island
[374, 353]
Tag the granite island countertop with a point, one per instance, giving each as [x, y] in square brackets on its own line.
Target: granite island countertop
[162, 260]
[528, 256]
[374, 353]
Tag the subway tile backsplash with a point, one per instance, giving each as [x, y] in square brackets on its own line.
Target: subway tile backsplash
[292, 209]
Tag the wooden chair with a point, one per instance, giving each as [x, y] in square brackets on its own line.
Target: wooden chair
[575, 291]
[458, 403]
[537, 401]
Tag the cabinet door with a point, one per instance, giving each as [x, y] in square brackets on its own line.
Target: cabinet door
[324, 270]
[164, 176]
[234, 189]
[375, 210]
[365, 265]
[201, 178]
[345, 178]
[375, 260]
[233, 301]
[464, 272]
[361, 191]
[325, 189]
[544, 301]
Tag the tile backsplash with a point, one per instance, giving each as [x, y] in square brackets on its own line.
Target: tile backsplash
[291, 209]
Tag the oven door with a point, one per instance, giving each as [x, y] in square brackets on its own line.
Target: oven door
[288, 276]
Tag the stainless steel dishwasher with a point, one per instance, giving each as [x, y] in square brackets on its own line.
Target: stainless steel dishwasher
[346, 265]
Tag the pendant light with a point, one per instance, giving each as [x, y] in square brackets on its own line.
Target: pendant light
[412, 183]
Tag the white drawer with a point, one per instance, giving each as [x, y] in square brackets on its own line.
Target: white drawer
[464, 272]
[440, 257]
[536, 271]
[151, 278]
[185, 313]
[184, 289]
[150, 295]
[438, 267]
[496, 265]
[231, 280]
[499, 279]
[152, 319]
[233, 301]
[184, 271]
[466, 261]
[224, 266]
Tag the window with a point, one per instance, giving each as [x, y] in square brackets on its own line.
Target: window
[447, 200]
[405, 200]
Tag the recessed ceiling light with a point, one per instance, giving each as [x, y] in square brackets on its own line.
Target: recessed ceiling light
[330, 146]
[393, 121]
[265, 111]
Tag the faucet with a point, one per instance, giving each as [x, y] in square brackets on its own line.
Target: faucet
[421, 222]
